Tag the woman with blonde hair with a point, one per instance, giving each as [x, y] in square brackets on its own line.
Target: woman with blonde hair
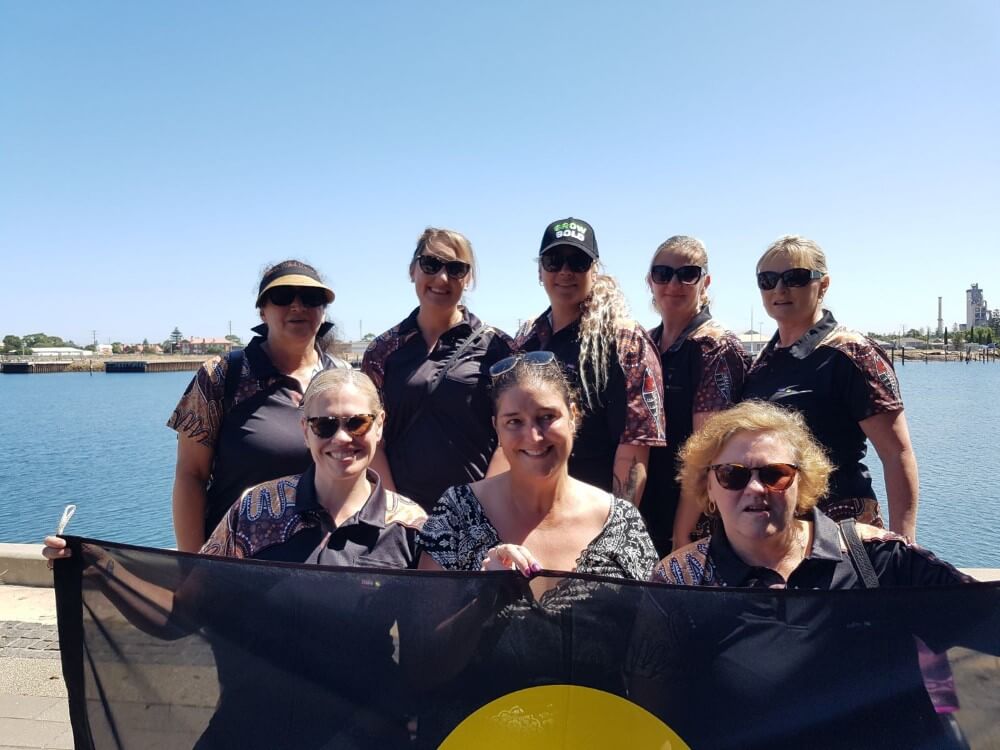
[432, 372]
[842, 383]
[850, 675]
[704, 366]
[608, 357]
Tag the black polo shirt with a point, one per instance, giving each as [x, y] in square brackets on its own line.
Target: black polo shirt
[703, 371]
[848, 673]
[836, 378]
[282, 520]
[260, 438]
[452, 439]
[629, 410]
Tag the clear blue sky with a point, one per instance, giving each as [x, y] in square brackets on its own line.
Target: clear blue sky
[155, 156]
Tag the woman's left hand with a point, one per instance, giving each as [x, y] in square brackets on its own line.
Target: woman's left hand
[511, 557]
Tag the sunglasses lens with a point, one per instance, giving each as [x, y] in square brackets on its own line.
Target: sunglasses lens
[457, 269]
[661, 274]
[359, 424]
[505, 365]
[797, 277]
[430, 265]
[732, 476]
[767, 280]
[577, 260]
[776, 476]
[281, 296]
[324, 427]
[688, 274]
[312, 297]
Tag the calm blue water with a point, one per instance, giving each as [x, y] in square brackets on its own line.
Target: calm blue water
[99, 441]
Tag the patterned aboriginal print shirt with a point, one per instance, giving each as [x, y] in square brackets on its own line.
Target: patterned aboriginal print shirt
[703, 371]
[712, 561]
[836, 378]
[282, 520]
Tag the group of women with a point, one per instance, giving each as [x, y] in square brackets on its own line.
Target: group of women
[558, 449]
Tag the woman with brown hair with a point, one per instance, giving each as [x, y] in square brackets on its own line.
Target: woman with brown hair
[238, 421]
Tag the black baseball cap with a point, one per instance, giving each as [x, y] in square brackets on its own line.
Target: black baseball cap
[572, 232]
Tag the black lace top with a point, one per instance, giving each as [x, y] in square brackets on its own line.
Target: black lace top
[457, 535]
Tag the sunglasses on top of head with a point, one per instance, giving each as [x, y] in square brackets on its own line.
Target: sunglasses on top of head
[505, 365]
[326, 427]
[688, 275]
[776, 477]
[767, 280]
[283, 296]
[577, 260]
[456, 269]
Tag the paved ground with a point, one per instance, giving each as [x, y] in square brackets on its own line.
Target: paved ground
[33, 711]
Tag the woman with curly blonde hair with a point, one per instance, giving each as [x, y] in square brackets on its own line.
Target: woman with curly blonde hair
[608, 356]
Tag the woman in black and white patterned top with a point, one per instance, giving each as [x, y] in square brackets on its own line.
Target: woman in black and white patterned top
[535, 516]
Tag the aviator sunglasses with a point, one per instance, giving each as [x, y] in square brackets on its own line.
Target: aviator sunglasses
[326, 427]
[283, 296]
[774, 477]
[505, 365]
[456, 269]
[577, 260]
[685, 274]
[767, 280]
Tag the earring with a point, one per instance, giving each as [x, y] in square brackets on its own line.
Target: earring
[711, 507]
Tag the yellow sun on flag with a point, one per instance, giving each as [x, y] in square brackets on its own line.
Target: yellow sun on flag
[562, 716]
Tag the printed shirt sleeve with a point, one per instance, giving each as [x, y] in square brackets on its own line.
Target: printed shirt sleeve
[457, 533]
[873, 387]
[223, 541]
[198, 414]
[724, 366]
[644, 417]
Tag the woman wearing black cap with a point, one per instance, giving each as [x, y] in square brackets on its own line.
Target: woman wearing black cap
[432, 371]
[238, 421]
[608, 357]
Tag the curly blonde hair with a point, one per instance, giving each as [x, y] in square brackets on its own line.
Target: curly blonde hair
[602, 314]
[700, 450]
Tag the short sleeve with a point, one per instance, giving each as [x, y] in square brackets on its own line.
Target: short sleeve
[873, 387]
[198, 414]
[222, 542]
[373, 365]
[644, 418]
[724, 366]
[457, 533]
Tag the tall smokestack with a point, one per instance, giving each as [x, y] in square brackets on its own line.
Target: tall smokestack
[940, 320]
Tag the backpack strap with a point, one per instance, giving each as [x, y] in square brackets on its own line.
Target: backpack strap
[234, 370]
[856, 551]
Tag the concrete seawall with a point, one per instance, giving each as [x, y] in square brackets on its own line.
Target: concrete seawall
[23, 565]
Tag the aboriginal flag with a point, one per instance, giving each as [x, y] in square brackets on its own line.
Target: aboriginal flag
[169, 650]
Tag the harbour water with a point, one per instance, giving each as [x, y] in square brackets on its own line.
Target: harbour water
[99, 441]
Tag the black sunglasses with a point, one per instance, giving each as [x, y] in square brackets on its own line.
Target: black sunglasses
[554, 260]
[792, 277]
[283, 296]
[432, 266]
[505, 365]
[326, 427]
[685, 274]
[774, 477]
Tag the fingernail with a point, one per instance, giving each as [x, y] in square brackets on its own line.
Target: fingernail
[536, 568]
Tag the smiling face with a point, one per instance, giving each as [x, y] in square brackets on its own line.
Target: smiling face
[755, 513]
[343, 456]
[438, 290]
[535, 426]
[792, 306]
[675, 300]
[565, 288]
[295, 322]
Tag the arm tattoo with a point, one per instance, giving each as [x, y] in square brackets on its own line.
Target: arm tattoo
[627, 490]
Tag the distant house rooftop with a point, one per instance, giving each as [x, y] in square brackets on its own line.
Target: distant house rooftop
[60, 351]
